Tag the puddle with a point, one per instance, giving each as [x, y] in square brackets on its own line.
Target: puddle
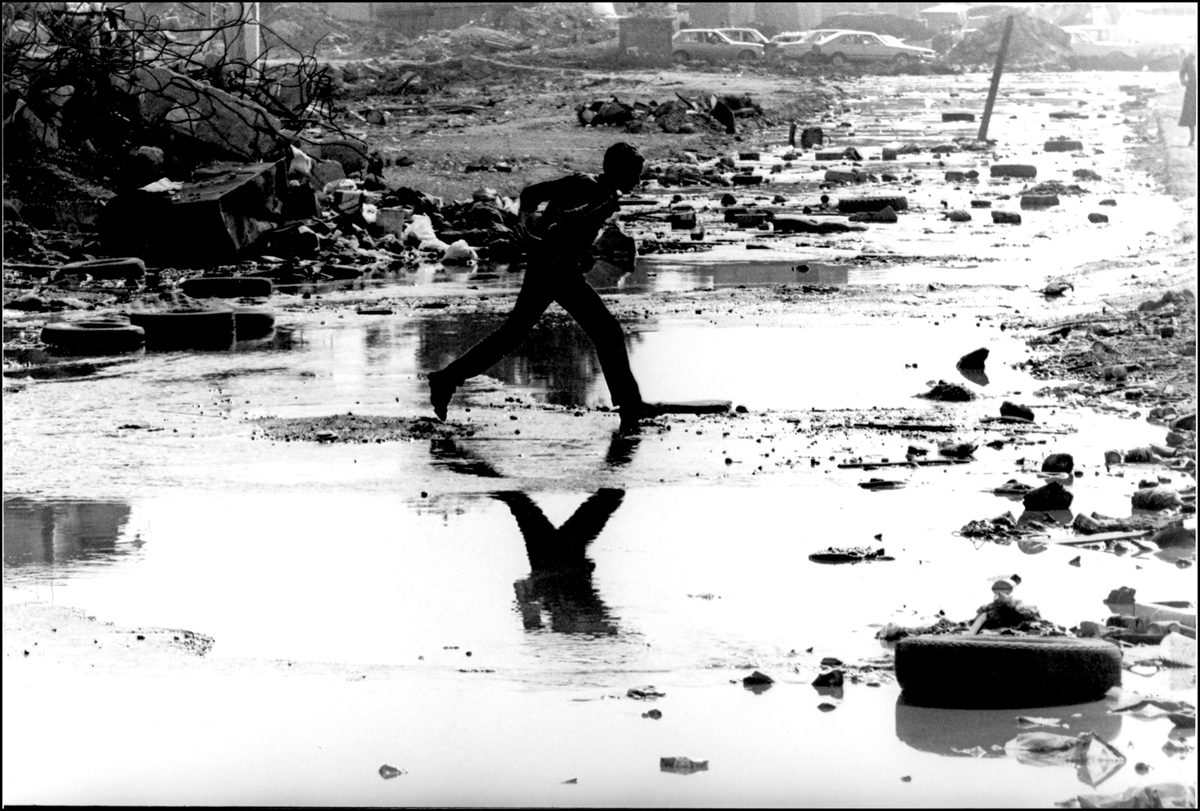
[52, 538]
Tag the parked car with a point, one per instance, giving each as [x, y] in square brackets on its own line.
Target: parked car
[711, 44]
[863, 46]
[745, 35]
[797, 44]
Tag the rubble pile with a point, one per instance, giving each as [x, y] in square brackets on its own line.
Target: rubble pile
[1035, 44]
[679, 115]
[308, 27]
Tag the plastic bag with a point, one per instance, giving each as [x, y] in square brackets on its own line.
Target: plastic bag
[459, 253]
[420, 231]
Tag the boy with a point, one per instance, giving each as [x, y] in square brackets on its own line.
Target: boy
[577, 206]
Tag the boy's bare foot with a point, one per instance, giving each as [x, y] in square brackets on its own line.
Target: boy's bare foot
[440, 392]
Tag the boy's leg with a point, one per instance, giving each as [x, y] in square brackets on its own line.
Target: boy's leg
[532, 301]
[585, 305]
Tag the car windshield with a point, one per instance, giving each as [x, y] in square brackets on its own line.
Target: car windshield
[745, 35]
[890, 40]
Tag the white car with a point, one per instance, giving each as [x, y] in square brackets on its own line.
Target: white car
[745, 35]
[709, 43]
[863, 46]
[798, 44]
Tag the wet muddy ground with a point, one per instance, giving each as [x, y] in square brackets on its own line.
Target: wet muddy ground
[471, 602]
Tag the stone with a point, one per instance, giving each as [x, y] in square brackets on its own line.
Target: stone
[1051, 496]
[1039, 200]
[1097, 218]
[949, 393]
[1010, 409]
[1063, 145]
[832, 678]
[1006, 218]
[957, 215]
[973, 360]
[1156, 498]
[683, 220]
[1058, 463]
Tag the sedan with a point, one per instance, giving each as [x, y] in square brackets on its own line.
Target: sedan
[711, 44]
[798, 44]
[744, 35]
[863, 46]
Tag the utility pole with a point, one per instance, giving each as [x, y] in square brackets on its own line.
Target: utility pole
[991, 99]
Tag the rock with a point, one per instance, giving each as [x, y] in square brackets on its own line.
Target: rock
[1062, 145]
[377, 117]
[981, 204]
[957, 215]
[388, 772]
[682, 765]
[1010, 409]
[1049, 497]
[757, 679]
[29, 303]
[1175, 537]
[1058, 463]
[1184, 423]
[642, 693]
[973, 360]
[948, 393]
[832, 678]
[1097, 218]
[1139, 455]
[957, 450]
[1108, 202]
[1006, 218]
[1156, 498]
[1039, 200]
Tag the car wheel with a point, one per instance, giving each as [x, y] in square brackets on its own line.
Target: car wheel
[838, 60]
[747, 56]
[903, 60]
[680, 57]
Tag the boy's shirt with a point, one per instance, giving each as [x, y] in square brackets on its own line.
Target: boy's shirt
[577, 207]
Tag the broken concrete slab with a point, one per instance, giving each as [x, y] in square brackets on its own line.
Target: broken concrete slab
[212, 219]
[213, 121]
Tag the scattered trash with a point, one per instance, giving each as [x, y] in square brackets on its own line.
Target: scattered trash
[682, 765]
[643, 693]
[854, 554]
[1096, 759]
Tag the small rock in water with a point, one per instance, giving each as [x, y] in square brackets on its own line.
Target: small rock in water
[388, 772]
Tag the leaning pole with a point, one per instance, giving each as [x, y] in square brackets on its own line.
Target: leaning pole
[991, 99]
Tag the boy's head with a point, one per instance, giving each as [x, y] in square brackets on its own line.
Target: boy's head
[623, 165]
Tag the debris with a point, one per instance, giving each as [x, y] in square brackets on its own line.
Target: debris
[1010, 409]
[853, 554]
[1097, 760]
[1156, 498]
[1159, 795]
[973, 360]
[682, 765]
[957, 450]
[1058, 463]
[1049, 497]
[831, 678]
[1006, 218]
[948, 393]
[388, 772]
[644, 693]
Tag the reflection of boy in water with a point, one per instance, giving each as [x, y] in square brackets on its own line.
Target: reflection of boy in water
[560, 577]
[577, 206]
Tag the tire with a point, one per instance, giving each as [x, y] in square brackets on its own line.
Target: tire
[681, 57]
[747, 56]
[97, 336]
[187, 329]
[958, 116]
[227, 287]
[1062, 146]
[1013, 170]
[984, 672]
[855, 205]
[838, 60]
[903, 61]
[120, 267]
[252, 322]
